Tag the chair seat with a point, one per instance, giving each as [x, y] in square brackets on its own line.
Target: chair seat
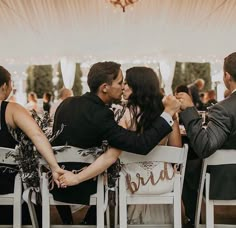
[93, 200]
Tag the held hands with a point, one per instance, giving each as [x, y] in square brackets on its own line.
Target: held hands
[185, 100]
[56, 173]
[68, 179]
[171, 104]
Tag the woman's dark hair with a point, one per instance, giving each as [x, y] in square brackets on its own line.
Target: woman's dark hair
[145, 102]
[5, 76]
[102, 72]
[47, 96]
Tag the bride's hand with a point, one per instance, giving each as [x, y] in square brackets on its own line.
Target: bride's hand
[56, 173]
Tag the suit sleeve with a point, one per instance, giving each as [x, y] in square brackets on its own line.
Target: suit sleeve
[205, 141]
[123, 139]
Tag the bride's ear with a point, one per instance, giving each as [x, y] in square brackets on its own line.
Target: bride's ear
[3, 87]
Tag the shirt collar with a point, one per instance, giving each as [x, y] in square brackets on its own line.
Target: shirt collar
[233, 91]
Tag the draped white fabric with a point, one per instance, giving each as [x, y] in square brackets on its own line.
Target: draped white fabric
[32, 30]
[68, 72]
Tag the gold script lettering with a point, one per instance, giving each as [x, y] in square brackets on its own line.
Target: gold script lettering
[163, 175]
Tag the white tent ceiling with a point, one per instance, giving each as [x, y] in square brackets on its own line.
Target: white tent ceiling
[42, 31]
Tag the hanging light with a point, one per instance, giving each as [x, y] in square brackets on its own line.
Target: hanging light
[123, 3]
[68, 72]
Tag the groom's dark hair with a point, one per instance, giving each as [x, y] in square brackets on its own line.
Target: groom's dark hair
[102, 72]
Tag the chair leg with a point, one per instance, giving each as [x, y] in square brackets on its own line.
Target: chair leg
[108, 216]
[209, 205]
[17, 203]
[177, 202]
[32, 212]
[100, 202]
[199, 198]
[45, 203]
[122, 202]
[116, 207]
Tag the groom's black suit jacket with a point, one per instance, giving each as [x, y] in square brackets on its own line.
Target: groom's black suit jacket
[88, 122]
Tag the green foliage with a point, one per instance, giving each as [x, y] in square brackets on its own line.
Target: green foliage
[30, 79]
[186, 73]
[39, 79]
[77, 87]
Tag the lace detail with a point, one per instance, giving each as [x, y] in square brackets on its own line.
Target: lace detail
[148, 166]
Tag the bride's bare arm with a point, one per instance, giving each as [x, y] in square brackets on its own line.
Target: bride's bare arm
[174, 138]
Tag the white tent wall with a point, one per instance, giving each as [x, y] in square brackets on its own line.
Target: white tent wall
[42, 31]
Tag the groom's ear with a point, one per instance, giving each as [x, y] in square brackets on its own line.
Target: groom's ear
[104, 87]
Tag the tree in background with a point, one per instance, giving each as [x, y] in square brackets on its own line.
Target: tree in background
[186, 73]
[77, 87]
[39, 79]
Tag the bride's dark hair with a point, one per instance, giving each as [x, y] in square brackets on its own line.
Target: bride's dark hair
[145, 102]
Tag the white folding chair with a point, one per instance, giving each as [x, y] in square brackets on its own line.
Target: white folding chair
[220, 157]
[70, 154]
[14, 198]
[162, 154]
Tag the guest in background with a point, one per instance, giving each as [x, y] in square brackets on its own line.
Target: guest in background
[182, 88]
[210, 99]
[32, 102]
[202, 96]
[195, 89]
[47, 101]
[63, 94]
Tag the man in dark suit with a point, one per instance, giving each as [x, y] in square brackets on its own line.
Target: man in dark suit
[220, 132]
[88, 120]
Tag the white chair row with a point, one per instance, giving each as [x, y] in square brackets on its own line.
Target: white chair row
[14, 198]
[159, 153]
[220, 157]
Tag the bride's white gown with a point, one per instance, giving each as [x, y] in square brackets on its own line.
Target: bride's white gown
[150, 214]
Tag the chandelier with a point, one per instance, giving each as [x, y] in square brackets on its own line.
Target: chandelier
[123, 3]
